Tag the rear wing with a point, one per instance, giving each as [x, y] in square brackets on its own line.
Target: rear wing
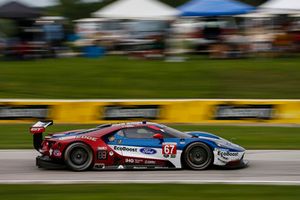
[40, 126]
[37, 130]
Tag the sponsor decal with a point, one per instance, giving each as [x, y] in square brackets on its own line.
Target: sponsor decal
[150, 162]
[57, 153]
[227, 154]
[111, 153]
[148, 151]
[99, 166]
[130, 149]
[36, 130]
[131, 112]
[129, 160]
[239, 112]
[138, 161]
[23, 112]
[133, 161]
[102, 148]
[169, 149]
[140, 167]
[66, 138]
[78, 137]
[86, 137]
[161, 167]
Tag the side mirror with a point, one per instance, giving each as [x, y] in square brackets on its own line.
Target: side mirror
[158, 136]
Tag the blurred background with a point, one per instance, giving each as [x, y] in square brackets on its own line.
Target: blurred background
[188, 62]
[150, 49]
[207, 62]
[230, 67]
[166, 30]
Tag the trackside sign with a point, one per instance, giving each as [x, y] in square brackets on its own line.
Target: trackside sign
[23, 112]
[192, 111]
[239, 112]
[131, 112]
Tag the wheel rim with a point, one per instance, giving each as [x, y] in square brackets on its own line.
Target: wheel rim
[198, 156]
[79, 156]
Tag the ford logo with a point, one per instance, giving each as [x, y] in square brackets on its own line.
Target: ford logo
[148, 151]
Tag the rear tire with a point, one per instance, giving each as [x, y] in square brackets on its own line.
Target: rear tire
[78, 156]
[198, 156]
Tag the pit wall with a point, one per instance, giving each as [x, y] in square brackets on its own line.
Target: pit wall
[192, 111]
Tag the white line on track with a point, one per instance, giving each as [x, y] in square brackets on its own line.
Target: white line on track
[267, 167]
[242, 182]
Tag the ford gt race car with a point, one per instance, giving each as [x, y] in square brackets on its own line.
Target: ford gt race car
[139, 145]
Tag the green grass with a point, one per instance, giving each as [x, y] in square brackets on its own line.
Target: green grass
[148, 191]
[119, 77]
[250, 137]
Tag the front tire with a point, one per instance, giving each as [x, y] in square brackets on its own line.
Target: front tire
[198, 156]
[78, 156]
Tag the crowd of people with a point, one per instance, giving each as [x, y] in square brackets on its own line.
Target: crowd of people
[225, 37]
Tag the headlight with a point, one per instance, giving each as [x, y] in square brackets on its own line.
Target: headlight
[223, 144]
[227, 144]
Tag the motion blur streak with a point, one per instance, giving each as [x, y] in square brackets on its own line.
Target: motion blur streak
[266, 167]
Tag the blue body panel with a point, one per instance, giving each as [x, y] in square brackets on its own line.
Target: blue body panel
[182, 143]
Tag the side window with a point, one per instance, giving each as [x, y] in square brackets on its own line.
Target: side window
[111, 137]
[120, 133]
[167, 135]
[141, 132]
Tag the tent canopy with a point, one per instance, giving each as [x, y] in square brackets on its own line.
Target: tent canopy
[214, 8]
[256, 15]
[137, 9]
[280, 7]
[15, 10]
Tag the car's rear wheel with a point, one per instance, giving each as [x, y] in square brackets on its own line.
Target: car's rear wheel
[198, 156]
[78, 156]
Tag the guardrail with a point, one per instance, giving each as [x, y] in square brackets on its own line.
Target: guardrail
[158, 110]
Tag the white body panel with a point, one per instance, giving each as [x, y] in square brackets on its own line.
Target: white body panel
[135, 152]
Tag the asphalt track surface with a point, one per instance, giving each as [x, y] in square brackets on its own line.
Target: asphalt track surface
[266, 167]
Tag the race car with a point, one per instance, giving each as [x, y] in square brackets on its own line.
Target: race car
[138, 145]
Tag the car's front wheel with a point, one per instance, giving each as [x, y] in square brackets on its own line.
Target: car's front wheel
[198, 156]
[78, 156]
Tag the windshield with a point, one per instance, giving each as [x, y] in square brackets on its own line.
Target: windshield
[175, 133]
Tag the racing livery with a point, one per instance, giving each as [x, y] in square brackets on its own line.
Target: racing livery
[138, 145]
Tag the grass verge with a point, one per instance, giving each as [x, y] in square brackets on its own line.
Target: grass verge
[119, 77]
[147, 191]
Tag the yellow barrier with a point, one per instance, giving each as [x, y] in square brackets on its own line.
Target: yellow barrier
[163, 111]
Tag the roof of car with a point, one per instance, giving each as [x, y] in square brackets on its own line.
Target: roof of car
[127, 124]
[104, 129]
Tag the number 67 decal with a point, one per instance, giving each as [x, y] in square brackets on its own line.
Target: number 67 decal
[169, 148]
